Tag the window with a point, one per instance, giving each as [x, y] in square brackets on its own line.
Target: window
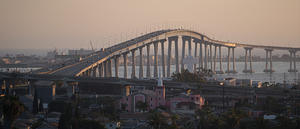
[151, 99]
[192, 98]
[126, 99]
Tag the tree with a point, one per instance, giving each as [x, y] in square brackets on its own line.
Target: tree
[11, 109]
[156, 120]
[206, 119]
[186, 76]
[141, 106]
[232, 118]
[261, 123]
[174, 125]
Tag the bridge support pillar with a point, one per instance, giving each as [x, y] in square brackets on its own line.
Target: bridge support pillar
[292, 61]
[109, 68]
[228, 60]
[176, 54]
[89, 72]
[246, 70]
[295, 69]
[205, 55]
[183, 53]
[169, 57]
[105, 68]
[133, 64]
[141, 72]
[170, 39]
[116, 66]
[148, 62]
[195, 55]
[269, 59]
[215, 59]
[220, 59]
[94, 69]
[100, 70]
[233, 61]
[155, 59]
[125, 64]
[200, 53]
[190, 46]
[250, 56]
[163, 58]
[210, 57]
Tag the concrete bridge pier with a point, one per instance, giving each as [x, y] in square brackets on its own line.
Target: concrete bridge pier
[201, 52]
[175, 39]
[220, 61]
[100, 70]
[94, 71]
[295, 69]
[210, 57]
[205, 55]
[183, 53]
[141, 71]
[109, 68]
[125, 57]
[228, 60]
[246, 70]
[89, 72]
[195, 55]
[292, 61]
[269, 60]
[233, 61]
[190, 46]
[155, 59]
[105, 68]
[215, 58]
[250, 56]
[169, 57]
[163, 58]
[148, 61]
[116, 66]
[133, 64]
[176, 54]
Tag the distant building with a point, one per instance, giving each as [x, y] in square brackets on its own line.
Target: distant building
[52, 54]
[80, 52]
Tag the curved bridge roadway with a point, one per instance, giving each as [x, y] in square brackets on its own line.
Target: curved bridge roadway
[100, 61]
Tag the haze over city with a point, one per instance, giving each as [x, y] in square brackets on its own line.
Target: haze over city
[73, 23]
[149, 64]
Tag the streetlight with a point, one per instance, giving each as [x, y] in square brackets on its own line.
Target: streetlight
[222, 84]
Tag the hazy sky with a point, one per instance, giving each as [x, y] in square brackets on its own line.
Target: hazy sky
[72, 23]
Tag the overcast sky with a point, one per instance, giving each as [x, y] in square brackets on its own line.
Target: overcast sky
[73, 23]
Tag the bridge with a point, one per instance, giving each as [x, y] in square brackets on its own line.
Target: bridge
[207, 50]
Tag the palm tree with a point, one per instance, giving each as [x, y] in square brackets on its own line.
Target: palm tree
[11, 108]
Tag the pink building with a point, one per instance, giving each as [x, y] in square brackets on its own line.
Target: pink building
[154, 98]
